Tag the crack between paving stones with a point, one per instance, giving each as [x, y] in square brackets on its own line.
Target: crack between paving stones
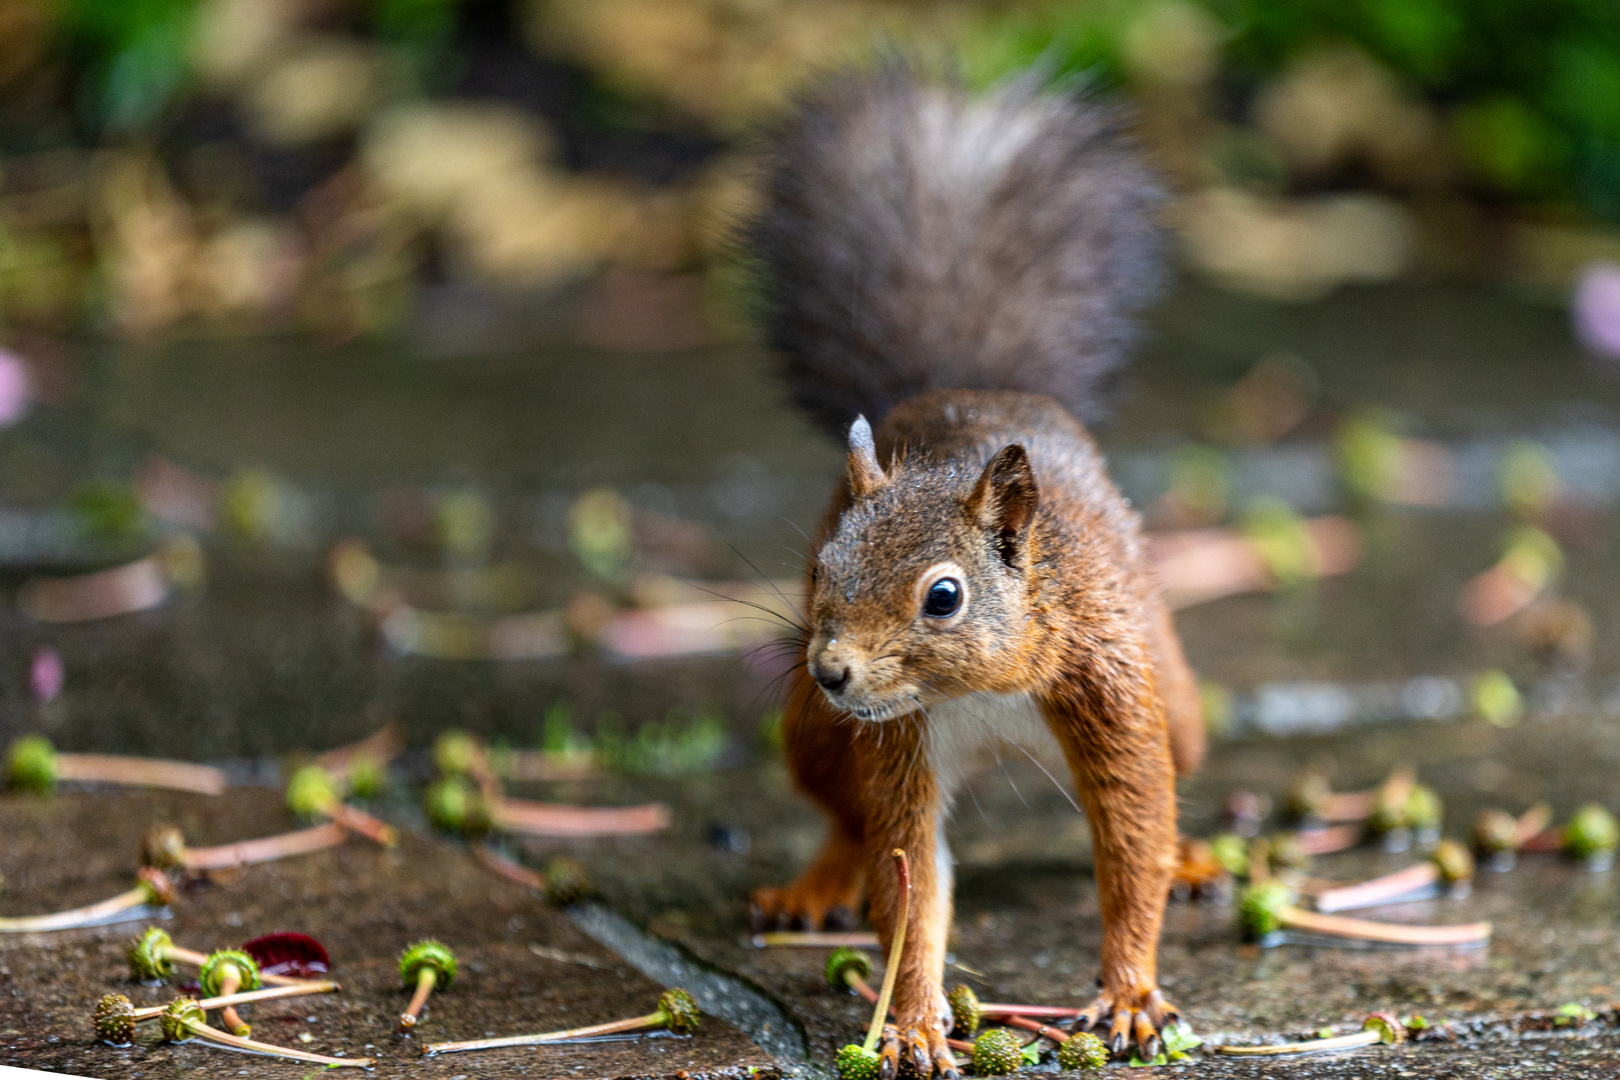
[717, 992]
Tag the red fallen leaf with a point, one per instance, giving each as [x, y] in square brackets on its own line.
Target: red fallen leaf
[295, 955]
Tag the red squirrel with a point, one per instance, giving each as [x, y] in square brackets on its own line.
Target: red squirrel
[965, 271]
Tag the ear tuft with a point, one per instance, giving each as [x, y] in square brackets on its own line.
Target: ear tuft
[1004, 503]
[865, 474]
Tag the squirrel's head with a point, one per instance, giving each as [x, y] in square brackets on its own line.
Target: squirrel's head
[921, 593]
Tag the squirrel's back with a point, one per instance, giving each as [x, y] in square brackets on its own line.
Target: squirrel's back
[916, 238]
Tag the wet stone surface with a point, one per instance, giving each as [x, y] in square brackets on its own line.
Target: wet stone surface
[365, 905]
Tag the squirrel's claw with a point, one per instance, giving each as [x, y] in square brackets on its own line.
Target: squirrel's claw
[1136, 1019]
[915, 1054]
[794, 908]
[889, 1053]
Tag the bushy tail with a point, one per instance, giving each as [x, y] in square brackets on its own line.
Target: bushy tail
[917, 238]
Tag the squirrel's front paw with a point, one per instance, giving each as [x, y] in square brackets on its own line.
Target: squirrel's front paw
[917, 1051]
[802, 906]
[1137, 1017]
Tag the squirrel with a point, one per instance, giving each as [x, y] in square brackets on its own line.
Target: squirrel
[965, 270]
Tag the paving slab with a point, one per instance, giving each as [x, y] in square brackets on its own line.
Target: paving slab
[365, 905]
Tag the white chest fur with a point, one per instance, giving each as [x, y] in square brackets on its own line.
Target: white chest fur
[968, 733]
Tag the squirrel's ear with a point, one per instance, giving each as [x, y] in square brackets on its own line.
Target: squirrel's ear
[865, 474]
[1004, 501]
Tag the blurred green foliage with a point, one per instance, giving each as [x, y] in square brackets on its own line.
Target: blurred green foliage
[1531, 87]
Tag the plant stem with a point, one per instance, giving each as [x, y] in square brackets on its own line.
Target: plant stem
[361, 823]
[425, 982]
[197, 959]
[139, 896]
[212, 1034]
[815, 939]
[269, 993]
[266, 849]
[1329, 840]
[1057, 1012]
[548, 1037]
[140, 772]
[1395, 933]
[880, 1012]
[1037, 1027]
[1378, 890]
[563, 820]
[1310, 1046]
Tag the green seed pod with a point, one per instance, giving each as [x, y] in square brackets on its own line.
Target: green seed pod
[1285, 852]
[31, 765]
[178, 1018]
[1389, 1027]
[156, 885]
[1231, 851]
[858, 1063]
[367, 777]
[965, 1010]
[1591, 834]
[1261, 907]
[310, 791]
[680, 1012]
[997, 1052]
[1307, 797]
[148, 955]
[455, 806]
[567, 881]
[1495, 831]
[114, 1020]
[1083, 1051]
[1423, 808]
[163, 847]
[841, 962]
[1388, 814]
[455, 753]
[428, 953]
[211, 977]
[1453, 861]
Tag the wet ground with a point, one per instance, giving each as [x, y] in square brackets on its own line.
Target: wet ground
[268, 660]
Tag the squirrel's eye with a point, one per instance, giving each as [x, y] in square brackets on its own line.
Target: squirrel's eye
[943, 599]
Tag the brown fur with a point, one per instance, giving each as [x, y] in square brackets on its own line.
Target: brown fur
[932, 257]
[1064, 609]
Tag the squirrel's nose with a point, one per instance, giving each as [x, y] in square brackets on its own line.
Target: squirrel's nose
[832, 681]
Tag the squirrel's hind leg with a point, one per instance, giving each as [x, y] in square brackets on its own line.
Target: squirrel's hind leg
[821, 758]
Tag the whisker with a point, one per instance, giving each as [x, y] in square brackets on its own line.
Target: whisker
[769, 583]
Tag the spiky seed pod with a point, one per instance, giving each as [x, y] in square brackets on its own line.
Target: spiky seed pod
[178, 1018]
[114, 1020]
[1307, 797]
[680, 1012]
[157, 886]
[1453, 861]
[1423, 808]
[148, 959]
[163, 847]
[455, 753]
[1592, 833]
[1388, 813]
[455, 806]
[567, 881]
[965, 1010]
[428, 953]
[1391, 1032]
[1260, 910]
[997, 1052]
[843, 960]
[1083, 1050]
[31, 765]
[211, 977]
[367, 777]
[310, 791]
[1231, 851]
[855, 1062]
[1287, 853]
[1495, 831]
